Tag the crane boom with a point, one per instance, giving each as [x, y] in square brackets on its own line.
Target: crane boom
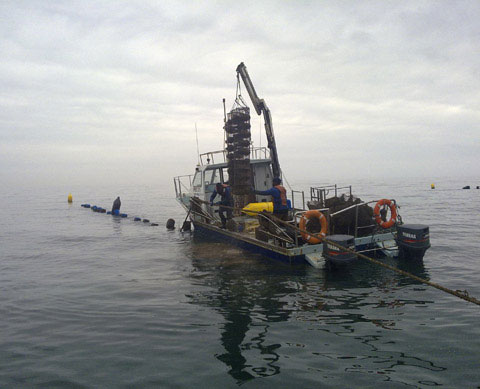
[261, 107]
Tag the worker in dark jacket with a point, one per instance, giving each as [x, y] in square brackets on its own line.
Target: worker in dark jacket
[279, 198]
[116, 206]
[225, 193]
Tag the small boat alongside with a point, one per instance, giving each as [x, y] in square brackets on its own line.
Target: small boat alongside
[326, 227]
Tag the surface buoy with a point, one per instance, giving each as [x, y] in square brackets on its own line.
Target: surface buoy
[70, 198]
[170, 224]
[432, 186]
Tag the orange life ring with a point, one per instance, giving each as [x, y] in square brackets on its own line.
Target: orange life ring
[393, 210]
[313, 214]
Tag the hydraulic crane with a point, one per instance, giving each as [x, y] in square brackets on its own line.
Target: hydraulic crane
[261, 107]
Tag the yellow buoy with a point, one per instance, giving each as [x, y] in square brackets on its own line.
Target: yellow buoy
[432, 186]
[258, 207]
[70, 198]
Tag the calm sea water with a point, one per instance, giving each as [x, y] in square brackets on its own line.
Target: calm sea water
[87, 300]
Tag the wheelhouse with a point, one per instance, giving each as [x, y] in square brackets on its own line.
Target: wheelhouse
[212, 169]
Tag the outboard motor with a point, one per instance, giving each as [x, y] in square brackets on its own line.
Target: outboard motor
[337, 256]
[413, 240]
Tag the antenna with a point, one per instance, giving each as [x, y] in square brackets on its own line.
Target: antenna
[224, 125]
[196, 135]
[224, 112]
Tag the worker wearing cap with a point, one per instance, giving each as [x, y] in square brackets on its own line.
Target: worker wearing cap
[279, 198]
[226, 194]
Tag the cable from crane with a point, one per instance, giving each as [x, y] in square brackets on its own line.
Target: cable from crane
[239, 101]
[284, 178]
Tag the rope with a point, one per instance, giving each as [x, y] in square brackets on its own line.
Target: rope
[285, 179]
[461, 294]
[464, 295]
[239, 102]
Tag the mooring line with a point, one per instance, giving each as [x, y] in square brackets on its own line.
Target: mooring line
[464, 295]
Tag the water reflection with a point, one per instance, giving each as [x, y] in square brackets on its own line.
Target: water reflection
[253, 295]
[248, 301]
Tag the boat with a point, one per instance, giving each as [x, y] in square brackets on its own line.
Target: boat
[324, 228]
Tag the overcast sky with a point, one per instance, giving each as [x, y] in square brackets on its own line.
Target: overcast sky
[111, 90]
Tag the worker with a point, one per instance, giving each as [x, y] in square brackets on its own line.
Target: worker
[116, 206]
[226, 194]
[279, 198]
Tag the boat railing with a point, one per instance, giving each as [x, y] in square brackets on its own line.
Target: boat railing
[302, 194]
[259, 153]
[282, 235]
[356, 206]
[209, 158]
[299, 213]
[201, 211]
[180, 183]
[320, 193]
[220, 156]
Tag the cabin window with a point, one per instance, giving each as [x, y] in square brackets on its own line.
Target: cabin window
[197, 181]
[224, 172]
[211, 177]
[217, 178]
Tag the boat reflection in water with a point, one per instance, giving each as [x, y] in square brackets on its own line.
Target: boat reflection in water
[249, 304]
[318, 321]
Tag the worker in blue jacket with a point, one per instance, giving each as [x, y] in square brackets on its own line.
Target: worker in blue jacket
[279, 198]
[225, 193]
